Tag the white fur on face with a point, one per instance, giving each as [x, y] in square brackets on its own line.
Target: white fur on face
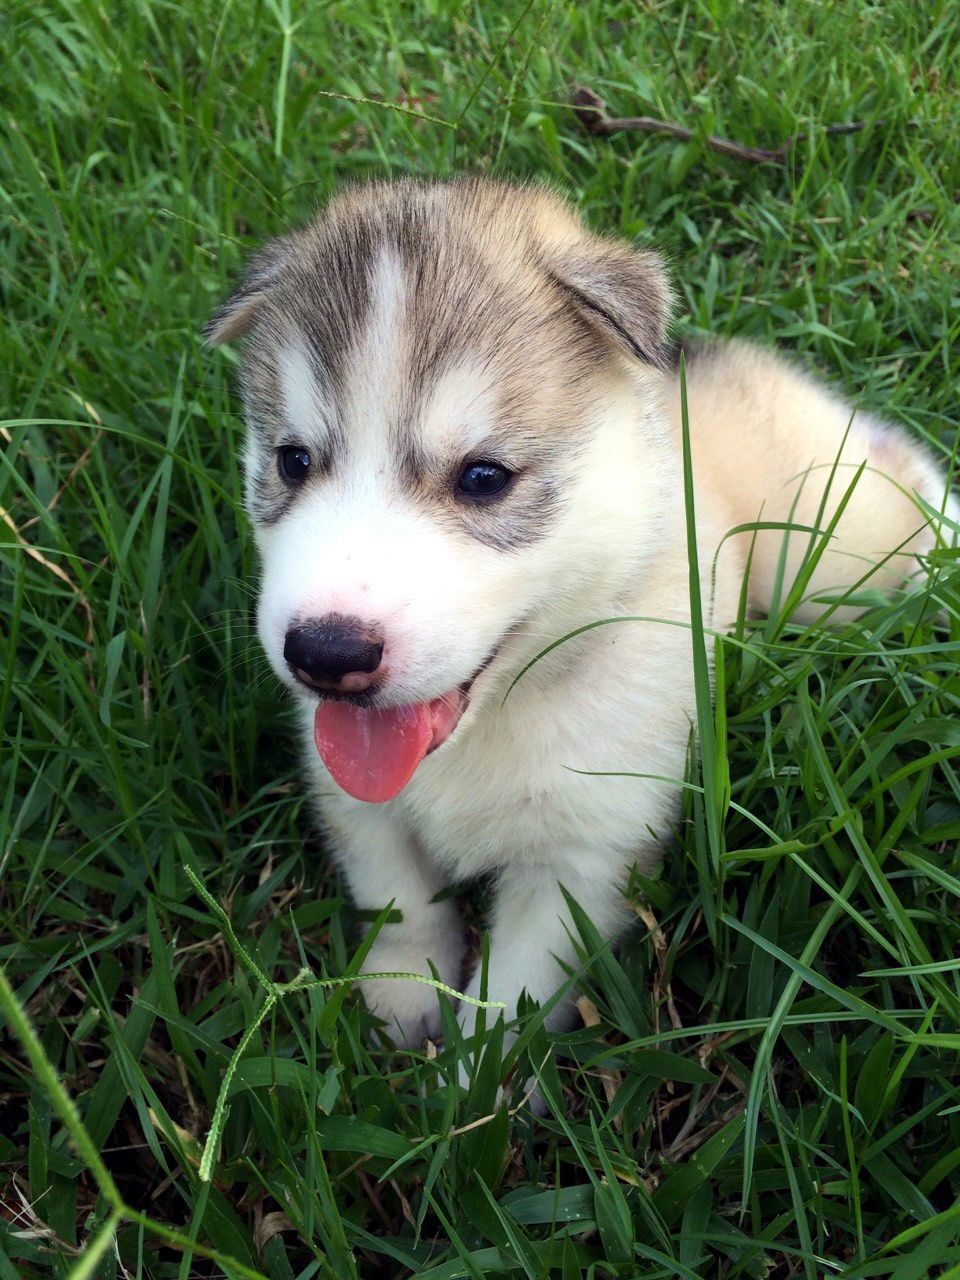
[460, 412]
[374, 382]
[356, 545]
[304, 403]
[356, 542]
[356, 551]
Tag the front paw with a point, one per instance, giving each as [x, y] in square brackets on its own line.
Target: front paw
[411, 1010]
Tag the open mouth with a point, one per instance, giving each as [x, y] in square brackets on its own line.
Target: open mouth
[372, 753]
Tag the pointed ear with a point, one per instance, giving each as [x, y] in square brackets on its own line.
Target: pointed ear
[234, 317]
[621, 292]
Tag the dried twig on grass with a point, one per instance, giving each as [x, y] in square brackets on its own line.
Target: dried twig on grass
[609, 1078]
[661, 983]
[591, 111]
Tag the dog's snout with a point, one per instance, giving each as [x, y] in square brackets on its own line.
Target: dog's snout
[334, 653]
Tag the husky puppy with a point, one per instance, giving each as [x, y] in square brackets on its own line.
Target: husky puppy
[464, 443]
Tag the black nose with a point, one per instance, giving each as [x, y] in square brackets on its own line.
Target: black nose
[327, 649]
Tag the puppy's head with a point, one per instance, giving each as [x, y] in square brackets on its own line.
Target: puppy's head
[452, 397]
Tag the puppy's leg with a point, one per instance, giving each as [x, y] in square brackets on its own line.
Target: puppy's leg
[382, 864]
[531, 935]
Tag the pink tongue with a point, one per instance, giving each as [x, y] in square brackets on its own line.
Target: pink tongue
[372, 755]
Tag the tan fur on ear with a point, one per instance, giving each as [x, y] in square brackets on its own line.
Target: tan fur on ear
[234, 317]
[624, 293]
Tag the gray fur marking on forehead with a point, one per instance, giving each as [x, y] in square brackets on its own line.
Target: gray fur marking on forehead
[450, 242]
[488, 260]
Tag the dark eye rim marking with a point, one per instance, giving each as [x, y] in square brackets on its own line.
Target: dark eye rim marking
[294, 463]
[488, 472]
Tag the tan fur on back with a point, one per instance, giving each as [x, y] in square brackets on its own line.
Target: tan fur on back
[766, 438]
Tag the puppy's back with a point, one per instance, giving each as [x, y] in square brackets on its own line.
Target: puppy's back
[765, 440]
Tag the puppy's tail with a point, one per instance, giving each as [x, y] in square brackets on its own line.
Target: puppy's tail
[780, 448]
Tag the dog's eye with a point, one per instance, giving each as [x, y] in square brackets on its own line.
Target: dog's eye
[483, 479]
[293, 463]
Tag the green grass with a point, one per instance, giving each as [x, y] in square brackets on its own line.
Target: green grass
[770, 1086]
